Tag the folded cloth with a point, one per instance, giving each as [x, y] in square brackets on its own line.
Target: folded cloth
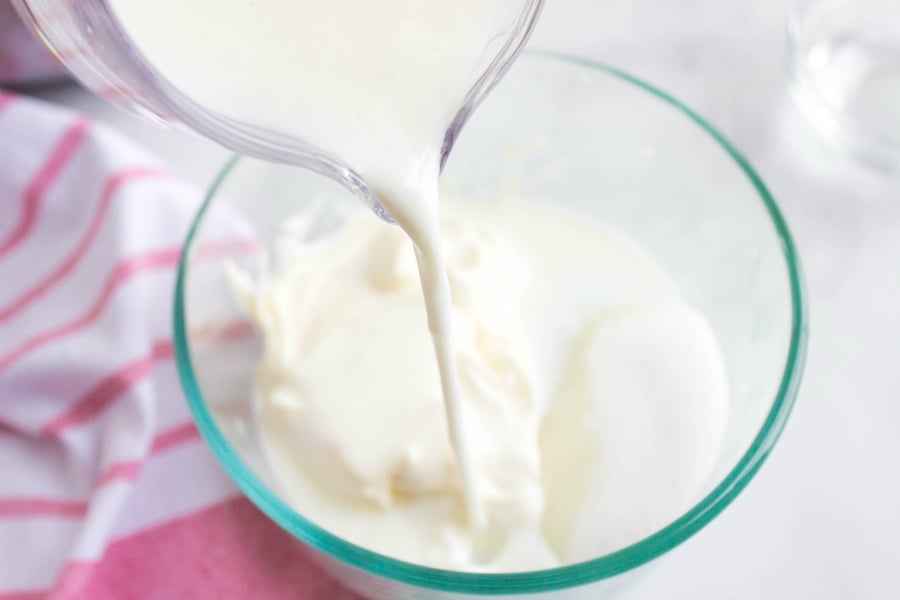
[106, 489]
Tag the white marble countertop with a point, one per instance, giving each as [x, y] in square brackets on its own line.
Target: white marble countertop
[822, 518]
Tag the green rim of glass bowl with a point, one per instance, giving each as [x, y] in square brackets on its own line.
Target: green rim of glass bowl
[536, 581]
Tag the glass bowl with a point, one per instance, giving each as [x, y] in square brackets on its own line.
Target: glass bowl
[599, 143]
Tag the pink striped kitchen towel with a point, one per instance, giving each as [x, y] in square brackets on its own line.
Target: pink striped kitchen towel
[106, 489]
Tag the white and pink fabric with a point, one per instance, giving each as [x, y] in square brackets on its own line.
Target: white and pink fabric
[106, 489]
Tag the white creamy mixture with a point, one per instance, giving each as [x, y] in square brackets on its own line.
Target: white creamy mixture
[374, 83]
[595, 398]
[575, 406]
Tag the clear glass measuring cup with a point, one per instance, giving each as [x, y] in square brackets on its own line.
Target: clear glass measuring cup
[23, 61]
[91, 42]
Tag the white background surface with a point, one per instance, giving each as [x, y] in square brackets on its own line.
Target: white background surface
[822, 518]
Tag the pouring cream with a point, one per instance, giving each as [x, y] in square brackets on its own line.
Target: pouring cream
[374, 83]
[488, 444]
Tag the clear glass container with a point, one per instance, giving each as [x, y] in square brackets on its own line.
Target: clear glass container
[845, 59]
[595, 142]
[24, 62]
[87, 37]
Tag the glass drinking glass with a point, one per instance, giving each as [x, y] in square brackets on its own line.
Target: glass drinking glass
[89, 40]
[594, 142]
[845, 58]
